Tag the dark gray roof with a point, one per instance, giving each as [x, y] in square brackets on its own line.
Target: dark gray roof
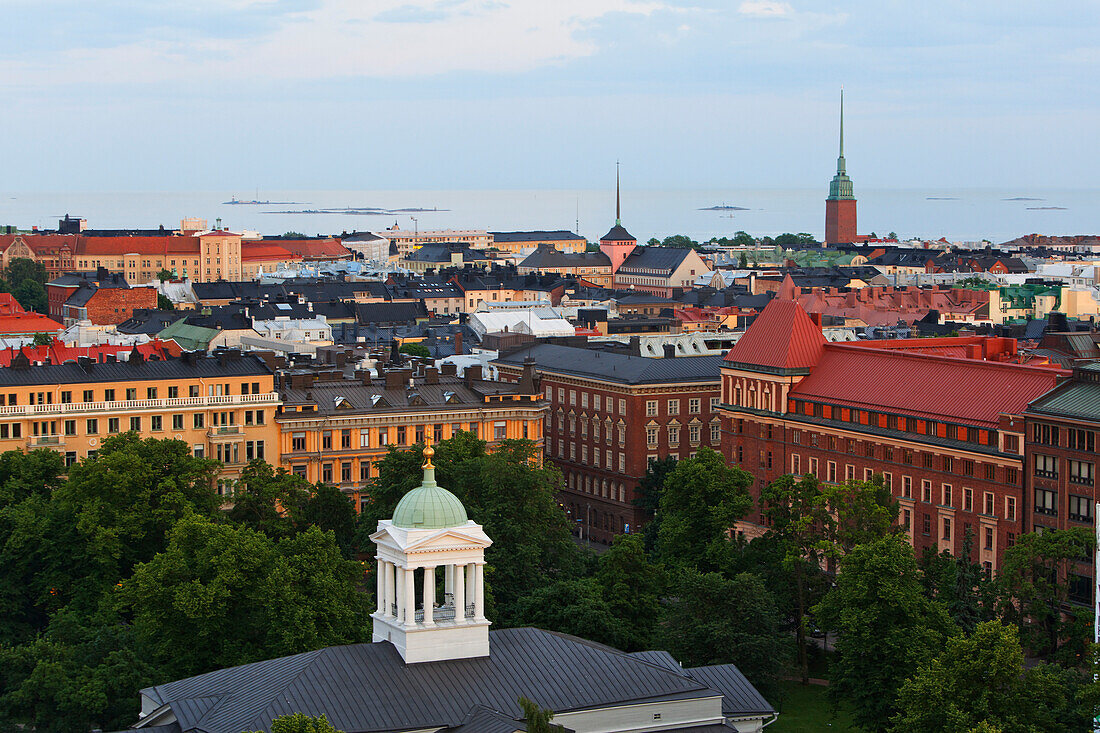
[81, 296]
[358, 398]
[368, 687]
[1076, 399]
[401, 312]
[558, 235]
[484, 720]
[546, 256]
[655, 261]
[127, 371]
[618, 233]
[614, 367]
[739, 697]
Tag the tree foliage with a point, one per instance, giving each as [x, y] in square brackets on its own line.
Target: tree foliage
[301, 723]
[538, 718]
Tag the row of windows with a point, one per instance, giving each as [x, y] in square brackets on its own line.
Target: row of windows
[951, 431]
[1079, 472]
[605, 459]
[674, 431]
[598, 400]
[602, 487]
[134, 423]
[1075, 439]
[348, 438]
[129, 394]
[1078, 510]
[672, 407]
[945, 495]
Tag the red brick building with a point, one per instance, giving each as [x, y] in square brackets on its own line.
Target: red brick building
[610, 414]
[1060, 455]
[940, 419]
[840, 207]
[102, 297]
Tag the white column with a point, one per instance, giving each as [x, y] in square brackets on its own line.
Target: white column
[471, 590]
[410, 597]
[479, 592]
[387, 588]
[459, 591]
[399, 592]
[448, 582]
[380, 590]
[429, 595]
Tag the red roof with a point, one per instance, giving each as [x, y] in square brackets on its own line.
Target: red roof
[924, 385]
[781, 337]
[27, 324]
[316, 249]
[253, 251]
[169, 244]
[59, 353]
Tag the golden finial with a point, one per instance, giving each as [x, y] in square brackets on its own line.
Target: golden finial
[428, 453]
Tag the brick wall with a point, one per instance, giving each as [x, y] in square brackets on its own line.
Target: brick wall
[840, 221]
[115, 305]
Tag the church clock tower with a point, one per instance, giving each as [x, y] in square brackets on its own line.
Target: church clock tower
[840, 207]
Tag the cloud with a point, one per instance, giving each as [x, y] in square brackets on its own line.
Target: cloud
[347, 39]
[765, 9]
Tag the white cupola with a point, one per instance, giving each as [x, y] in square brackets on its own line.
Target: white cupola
[430, 530]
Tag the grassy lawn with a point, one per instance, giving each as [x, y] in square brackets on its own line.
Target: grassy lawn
[807, 710]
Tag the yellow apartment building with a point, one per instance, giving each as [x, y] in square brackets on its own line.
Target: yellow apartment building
[333, 428]
[223, 406]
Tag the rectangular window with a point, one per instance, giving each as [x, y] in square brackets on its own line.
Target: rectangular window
[1080, 508]
[156, 422]
[573, 397]
[500, 430]
[88, 396]
[383, 436]
[66, 397]
[673, 435]
[108, 395]
[715, 434]
[1080, 472]
[596, 399]
[796, 467]
[584, 399]
[945, 495]
[92, 426]
[947, 528]
[849, 472]
[112, 425]
[298, 441]
[70, 427]
[177, 422]
[1010, 508]
[364, 468]
[622, 406]
[651, 408]
[831, 469]
[198, 420]
[907, 487]
[694, 406]
[135, 424]
[968, 500]
[989, 504]
[1046, 502]
[326, 473]
[345, 472]
[1046, 466]
[173, 392]
[693, 434]
[651, 436]
[926, 524]
[131, 394]
[150, 393]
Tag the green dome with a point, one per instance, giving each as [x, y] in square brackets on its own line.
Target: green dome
[429, 506]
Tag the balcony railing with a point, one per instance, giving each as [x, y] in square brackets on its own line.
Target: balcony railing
[439, 613]
[64, 408]
[44, 441]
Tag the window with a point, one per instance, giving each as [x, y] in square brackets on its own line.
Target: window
[173, 393]
[298, 441]
[150, 393]
[326, 440]
[131, 394]
[968, 500]
[1080, 472]
[402, 435]
[813, 466]
[907, 487]
[674, 407]
[1046, 502]
[108, 395]
[383, 436]
[573, 397]
[326, 473]
[651, 436]
[1083, 440]
[968, 468]
[345, 439]
[715, 434]
[1012, 477]
[849, 472]
[92, 426]
[713, 404]
[1010, 508]
[948, 464]
[1046, 466]
[66, 397]
[945, 495]
[926, 524]
[88, 396]
[70, 427]
[156, 422]
[693, 434]
[1080, 508]
[989, 538]
[1045, 434]
[177, 422]
[584, 399]
[193, 391]
[345, 472]
[694, 406]
[673, 434]
[947, 528]
[622, 406]
[112, 425]
[198, 420]
[248, 417]
[500, 430]
[796, 467]
[364, 467]
[596, 402]
[831, 471]
[651, 408]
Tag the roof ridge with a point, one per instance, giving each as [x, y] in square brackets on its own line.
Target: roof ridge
[317, 654]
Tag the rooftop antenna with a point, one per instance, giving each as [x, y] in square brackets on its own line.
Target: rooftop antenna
[577, 223]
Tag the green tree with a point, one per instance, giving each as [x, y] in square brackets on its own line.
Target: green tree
[164, 275]
[22, 269]
[960, 584]
[415, 350]
[538, 719]
[42, 339]
[716, 620]
[222, 595]
[573, 606]
[264, 498]
[981, 680]
[301, 723]
[648, 496]
[31, 294]
[653, 242]
[702, 499]
[164, 303]
[886, 625]
[743, 239]
[330, 509]
[680, 241]
[632, 586]
[1032, 579]
[26, 474]
[743, 263]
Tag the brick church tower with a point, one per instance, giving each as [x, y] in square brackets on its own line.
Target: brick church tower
[840, 207]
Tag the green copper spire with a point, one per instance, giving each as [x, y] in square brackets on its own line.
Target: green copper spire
[429, 506]
[618, 221]
[841, 187]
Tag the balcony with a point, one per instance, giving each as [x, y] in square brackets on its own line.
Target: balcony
[45, 441]
[225, 431]
[68, 408]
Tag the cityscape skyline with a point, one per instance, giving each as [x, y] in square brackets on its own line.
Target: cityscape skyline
[469, 95]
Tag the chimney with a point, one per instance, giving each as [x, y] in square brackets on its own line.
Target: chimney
[431, 375]
[472, 374]
[527, 378]
[448, 369]
[635, 346]
[670, 351]
[816, 318]
[395, 378]
[458, 340]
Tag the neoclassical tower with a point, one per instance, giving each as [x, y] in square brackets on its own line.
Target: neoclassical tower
[430, 530]
[840, 207]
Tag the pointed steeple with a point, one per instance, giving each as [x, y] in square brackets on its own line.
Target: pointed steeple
[618, 217]
[841, 186]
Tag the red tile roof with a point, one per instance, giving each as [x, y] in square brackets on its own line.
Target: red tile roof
[316, 249]
[59, 353]
[27, 324]
[929, 386]
[781, 337]
[262, 251]
[139, 245]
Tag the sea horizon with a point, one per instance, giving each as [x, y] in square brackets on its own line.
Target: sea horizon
[957, 214]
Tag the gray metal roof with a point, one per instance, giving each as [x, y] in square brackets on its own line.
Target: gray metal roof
[367, 688]
[616, 367]
[1075, 399]
[546, 256]
[654, 260]
[135, 371]
[558, 235]
[739, 697]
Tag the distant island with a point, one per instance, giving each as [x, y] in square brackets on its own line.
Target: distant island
[253, 202]
[1046, 208]
[1022, 198]
[941, 198]
[724, 207]
[358, 211]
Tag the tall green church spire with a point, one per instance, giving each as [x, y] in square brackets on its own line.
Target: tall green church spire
[841, 186]
[618, 221]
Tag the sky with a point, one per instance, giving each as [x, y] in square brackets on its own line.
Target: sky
[177, 95]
